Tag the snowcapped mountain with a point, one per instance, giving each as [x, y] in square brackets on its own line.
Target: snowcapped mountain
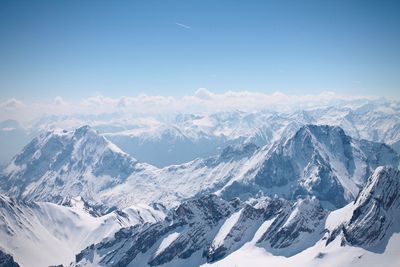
[189, 136]
[295, 228]
[164, 144]
[292, 199]
[43, 234]
[165, 141]
[172, 184]
[62, 164]
[211, 231]
[181, 237]
[375, 212]
[320, 161]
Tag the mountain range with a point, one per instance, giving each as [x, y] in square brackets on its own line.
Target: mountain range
[309, 194]
[317, 160]
[176, 139]
[205, 230]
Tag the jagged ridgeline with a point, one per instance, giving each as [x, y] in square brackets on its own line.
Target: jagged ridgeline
[306, 198]
[207, 229]
[319, 161]
[176, 140]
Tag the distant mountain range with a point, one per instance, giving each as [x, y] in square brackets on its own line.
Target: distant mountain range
[313, 188]
[165, 141]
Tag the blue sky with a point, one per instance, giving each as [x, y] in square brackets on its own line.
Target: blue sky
[77, 49]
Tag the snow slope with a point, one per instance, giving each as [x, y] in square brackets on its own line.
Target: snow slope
[62, 164]
[203, 232]
[319, 161]
[43, 234]
[368, 240]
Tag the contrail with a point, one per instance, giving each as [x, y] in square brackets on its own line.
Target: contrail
[183, 25]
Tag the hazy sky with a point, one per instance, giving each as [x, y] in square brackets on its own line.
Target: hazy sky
[77, 49]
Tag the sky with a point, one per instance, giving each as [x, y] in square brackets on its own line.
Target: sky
[81, 49]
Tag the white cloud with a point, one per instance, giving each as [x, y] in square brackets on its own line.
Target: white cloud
[204, 94]
[59, 101]
[202, 101]
[12, 104]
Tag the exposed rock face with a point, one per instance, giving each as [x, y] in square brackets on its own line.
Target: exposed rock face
[43, 234]
[295, 228]
[192, 224]
[7, 260]
[286, 178]
[319, 161]
[208, 228]
[323, 161]
[377, 210]
[62, 164]
[242, 226]
[200, 230]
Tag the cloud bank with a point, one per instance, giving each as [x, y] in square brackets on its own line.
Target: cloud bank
[202, 101]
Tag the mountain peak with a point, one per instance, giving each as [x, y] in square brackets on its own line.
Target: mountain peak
[322, 161]
[320, 130]
[295, 228]
[321, 136]
[62, 164]
[78, 133]
[84, 130]
[375, 212]
[383, 186]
